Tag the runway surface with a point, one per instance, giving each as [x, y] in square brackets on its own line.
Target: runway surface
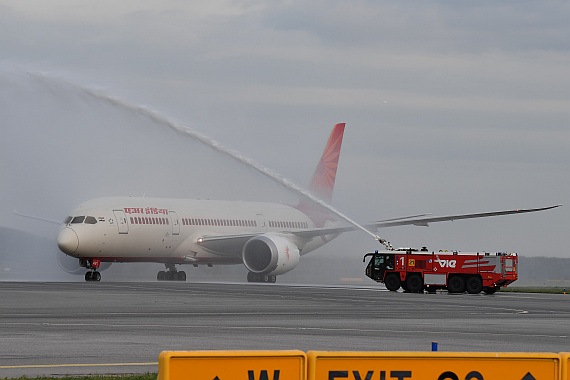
[84, 328]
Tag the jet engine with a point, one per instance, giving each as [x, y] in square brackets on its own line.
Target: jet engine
[270, 254]
[71, 264]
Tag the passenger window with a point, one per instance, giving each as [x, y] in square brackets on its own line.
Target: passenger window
[77, 220]
[90, 220]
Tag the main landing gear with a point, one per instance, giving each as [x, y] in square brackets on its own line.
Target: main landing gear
[171, 274]
[254, 277]
[92, 265]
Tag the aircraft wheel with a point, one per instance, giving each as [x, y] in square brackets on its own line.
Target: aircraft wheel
[474, 285]
[415, 283]
[392, 282]
[96, 276]
[254, 277]
[456, 284]
[89, 276]
[181, 276]
[161, 276]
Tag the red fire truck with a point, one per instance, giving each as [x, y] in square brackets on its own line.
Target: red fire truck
[416, 271]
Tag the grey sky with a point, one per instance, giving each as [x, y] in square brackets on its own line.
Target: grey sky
[451, 107]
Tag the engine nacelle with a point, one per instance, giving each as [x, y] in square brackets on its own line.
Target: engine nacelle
[71, 264]
[270, 254]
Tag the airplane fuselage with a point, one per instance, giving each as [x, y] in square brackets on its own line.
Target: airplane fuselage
[128, 229]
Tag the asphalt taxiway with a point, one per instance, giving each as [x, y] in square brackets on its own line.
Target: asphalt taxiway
[85, 328]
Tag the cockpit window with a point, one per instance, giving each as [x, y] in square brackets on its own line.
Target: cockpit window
[77, 220]
[90, 220]
[68, 219]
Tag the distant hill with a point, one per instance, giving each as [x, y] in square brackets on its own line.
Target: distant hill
[544, 271]
[26, 257]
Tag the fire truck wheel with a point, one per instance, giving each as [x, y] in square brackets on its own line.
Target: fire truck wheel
[456, 284]
[474, 285]
[491, 289]
[414, 283]
[392, 282]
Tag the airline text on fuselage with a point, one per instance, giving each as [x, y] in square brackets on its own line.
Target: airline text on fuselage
[145, 210]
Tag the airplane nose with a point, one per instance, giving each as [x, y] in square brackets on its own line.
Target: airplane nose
[67, 241]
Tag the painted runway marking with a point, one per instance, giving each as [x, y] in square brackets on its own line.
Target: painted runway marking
[281, 328]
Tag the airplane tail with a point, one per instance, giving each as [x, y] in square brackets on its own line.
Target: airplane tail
[322, 183]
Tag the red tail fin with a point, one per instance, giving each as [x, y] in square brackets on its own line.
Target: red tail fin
[322, 184]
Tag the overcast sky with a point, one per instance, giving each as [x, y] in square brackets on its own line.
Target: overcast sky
[451, 107]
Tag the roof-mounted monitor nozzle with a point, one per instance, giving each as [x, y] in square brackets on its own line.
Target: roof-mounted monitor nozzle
[385, 243]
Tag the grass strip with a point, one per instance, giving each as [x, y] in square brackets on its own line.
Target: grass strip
[533, 289]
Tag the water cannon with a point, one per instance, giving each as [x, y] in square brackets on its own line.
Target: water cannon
[385, 243]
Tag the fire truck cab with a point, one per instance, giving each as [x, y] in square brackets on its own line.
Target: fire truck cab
[418, 270]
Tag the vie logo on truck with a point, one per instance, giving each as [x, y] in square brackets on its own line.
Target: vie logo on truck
[446, 263]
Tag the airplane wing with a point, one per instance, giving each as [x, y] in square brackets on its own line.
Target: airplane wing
[52, 221]
[233, 244]
[417, 220]
[425, 221]
[225, 244]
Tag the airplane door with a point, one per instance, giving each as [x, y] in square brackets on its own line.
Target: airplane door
[261, 223]
[175, 223]
[121, 221]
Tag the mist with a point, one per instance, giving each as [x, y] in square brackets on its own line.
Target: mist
[63, 146]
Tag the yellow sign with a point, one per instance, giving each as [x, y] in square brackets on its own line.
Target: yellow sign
[232, 365]
[565, 365]
[432, 366]
[411, 262]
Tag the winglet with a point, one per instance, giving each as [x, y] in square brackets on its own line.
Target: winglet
[322, 184]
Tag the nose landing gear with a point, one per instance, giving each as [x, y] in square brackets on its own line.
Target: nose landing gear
[93, 276]
[92, 265]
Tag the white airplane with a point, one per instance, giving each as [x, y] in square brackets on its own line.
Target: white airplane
[268, 238]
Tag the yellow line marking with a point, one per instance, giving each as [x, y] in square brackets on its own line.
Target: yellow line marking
[76, 365]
